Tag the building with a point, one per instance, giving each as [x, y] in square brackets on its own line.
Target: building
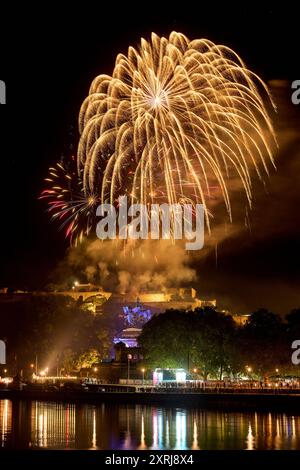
[129, 337]
[164, 376]
[125, 365]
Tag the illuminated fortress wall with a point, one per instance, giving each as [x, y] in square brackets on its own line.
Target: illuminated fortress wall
[110, 304]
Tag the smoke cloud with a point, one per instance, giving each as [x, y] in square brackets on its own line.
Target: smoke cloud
[131, 268]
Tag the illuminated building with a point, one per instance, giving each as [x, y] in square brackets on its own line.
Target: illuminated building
[161, 376]
[114, 305]
[129, 336]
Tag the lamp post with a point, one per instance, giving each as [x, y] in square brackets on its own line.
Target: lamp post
[249, 370]
[195, 370]
[129, 357]
[143, 372]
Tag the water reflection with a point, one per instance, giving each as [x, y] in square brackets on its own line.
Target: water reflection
[52, 424]
[63, 426]
[5, 417]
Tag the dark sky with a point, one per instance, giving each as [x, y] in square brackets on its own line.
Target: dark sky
[48, 59]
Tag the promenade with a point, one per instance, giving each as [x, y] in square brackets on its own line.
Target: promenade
[229, 399]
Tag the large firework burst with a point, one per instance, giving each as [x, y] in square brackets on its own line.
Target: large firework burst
[176, 119]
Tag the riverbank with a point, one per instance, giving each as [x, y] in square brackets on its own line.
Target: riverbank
[214, 400]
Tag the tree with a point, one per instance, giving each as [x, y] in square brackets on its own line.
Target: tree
[203, 337]
[213, 342]
[48, 326]
[166, 341]
[105, 342]
[88, 359]
[264, 343]
[293, 324]
[68, 361]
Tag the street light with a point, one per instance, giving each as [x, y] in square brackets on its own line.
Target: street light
[143, 372]
[95, 369]
[129, 357]
[195, 371]
[249, 370]
[36, 364]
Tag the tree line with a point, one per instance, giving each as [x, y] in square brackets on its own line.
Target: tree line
[214, 344]
[64, 336]
[55, 330]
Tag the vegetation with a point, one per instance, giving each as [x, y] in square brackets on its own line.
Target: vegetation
[66, 337]
[217, 347]
[55, 329]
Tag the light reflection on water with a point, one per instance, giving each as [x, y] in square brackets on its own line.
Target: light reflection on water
[69, 426]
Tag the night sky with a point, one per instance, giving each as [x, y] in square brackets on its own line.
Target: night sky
[48, 60]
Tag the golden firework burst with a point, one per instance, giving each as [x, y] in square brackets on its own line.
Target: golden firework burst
[176, 119]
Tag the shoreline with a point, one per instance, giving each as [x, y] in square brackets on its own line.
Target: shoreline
[220, 400]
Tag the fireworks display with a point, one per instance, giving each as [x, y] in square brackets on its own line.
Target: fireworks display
[175, 118]
[176, 122]
[68, 203]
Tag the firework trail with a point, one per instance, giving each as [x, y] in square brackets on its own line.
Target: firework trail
[68, 202]
[176, 118]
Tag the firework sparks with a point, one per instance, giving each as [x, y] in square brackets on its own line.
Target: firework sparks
[178, 121]
[68, 202]
[176, 118]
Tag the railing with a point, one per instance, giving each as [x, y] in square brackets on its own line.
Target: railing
[228, 390]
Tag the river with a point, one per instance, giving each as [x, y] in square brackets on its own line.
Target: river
[51, 425]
